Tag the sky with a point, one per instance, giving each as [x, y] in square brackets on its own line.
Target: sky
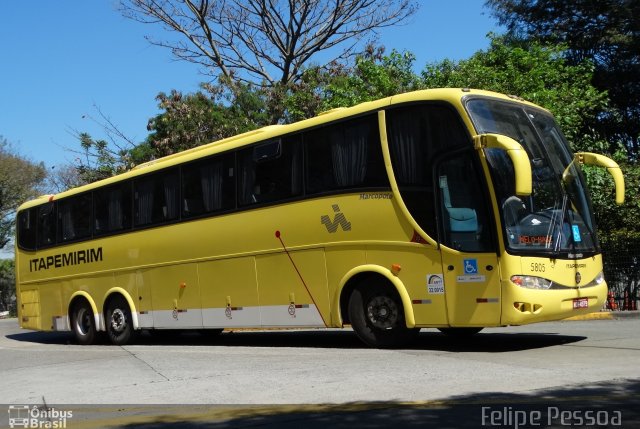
[63, 60]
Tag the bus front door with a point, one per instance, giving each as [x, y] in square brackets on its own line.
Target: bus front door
[469, 257]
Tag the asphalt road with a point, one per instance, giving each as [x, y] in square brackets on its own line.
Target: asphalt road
[558, 374]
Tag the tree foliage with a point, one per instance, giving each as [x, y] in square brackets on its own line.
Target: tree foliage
[535, 72]
[208, 115]
[605, 32]
[20, 180]
[7, 286]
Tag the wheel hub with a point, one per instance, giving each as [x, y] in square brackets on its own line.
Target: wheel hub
[382, 312]
[118, 320]
[83, 321]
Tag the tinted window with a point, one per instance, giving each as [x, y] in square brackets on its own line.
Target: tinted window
[464, 208]
[46, 225]
[345, 155]
[27, 229]
[270, 171]
[416, 134]
[156, 198]
[74, 218]
[112, 208]
[208, 186]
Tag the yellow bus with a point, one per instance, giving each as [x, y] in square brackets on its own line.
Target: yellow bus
[455, 209]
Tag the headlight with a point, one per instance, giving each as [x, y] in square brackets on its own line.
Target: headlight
[597, 281]
[531, 282]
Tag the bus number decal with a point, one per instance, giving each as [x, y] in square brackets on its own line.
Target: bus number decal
[538, 267]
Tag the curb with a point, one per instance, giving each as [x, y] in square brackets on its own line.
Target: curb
[607, 315]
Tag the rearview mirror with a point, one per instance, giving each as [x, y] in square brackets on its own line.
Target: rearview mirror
[588, 158]
[517, 154]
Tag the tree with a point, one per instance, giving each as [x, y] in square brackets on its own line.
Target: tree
[20, 180]
[264, 41]
[7, 286]
[211, 114]
[214, 112]
[99, 158]
[372, 76]
[606, 32]
[535, 72]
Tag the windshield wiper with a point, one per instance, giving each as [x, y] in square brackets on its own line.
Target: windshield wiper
[563, 213]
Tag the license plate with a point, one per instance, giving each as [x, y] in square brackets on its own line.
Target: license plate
[580, 303]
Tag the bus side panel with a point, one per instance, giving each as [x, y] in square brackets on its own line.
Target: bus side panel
[29, 307]
[42, 309]
[175, 295]
[341, 260]
[141, 296]
[284, 298]
[53, 312]
[229, 293]
[420, 270]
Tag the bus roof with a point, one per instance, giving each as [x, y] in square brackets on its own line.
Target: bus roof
[452, 95]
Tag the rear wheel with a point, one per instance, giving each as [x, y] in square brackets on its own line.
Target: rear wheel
[83, 323]
[119, 322]
[377, 317]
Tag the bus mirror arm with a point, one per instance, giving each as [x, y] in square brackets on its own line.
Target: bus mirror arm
[588, 158]
[516, 153]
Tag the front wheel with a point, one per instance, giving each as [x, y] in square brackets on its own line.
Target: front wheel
[377, 317]
[119, 322]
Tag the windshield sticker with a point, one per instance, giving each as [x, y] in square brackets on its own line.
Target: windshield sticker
[435, 284]
[576, 233]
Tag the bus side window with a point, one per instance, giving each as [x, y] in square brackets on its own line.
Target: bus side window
[417, 134]
[345, 155]
[27, 229]
[46, 225]
[74, 218]
[208, 186]
[112, 208]
[463, 205]
[270, 171]
[156, 198]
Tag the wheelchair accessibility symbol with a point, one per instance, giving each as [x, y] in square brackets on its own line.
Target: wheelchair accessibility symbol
[470, 266]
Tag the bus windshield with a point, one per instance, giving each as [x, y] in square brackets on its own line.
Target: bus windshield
[556, 219]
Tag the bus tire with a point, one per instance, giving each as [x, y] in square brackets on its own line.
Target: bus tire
[460, 332]
[83, 323]
[377, 317]
[118, 321]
